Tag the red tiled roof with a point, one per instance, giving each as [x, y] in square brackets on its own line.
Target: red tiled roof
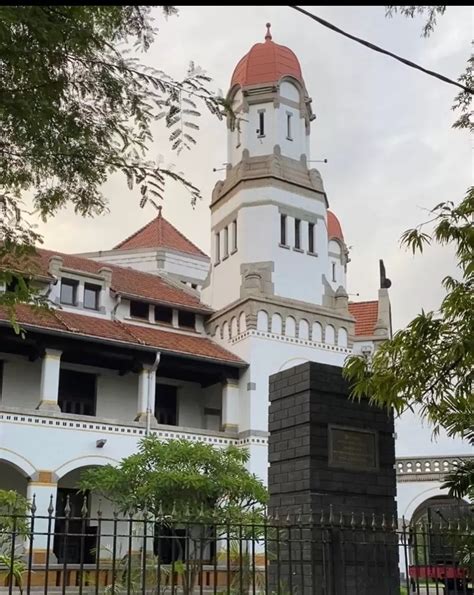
[114, 330]
[334, 227]
[366, 315]
[266, 63]
[159, 233]
[124, 280]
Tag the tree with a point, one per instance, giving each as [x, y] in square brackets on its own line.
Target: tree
[77, 106]
[14, 525]
[178, 482]
[429, 365]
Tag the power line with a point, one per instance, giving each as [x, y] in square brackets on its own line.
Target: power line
[376, 48]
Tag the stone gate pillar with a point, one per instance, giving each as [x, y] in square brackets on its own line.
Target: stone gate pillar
[328, 453]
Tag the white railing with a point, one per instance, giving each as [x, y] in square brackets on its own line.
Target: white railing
[426, 468]
[82, 423]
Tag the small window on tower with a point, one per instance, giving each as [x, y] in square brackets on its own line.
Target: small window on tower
[226, 242]
[261, 123]
[297, 234]
[334, 271]
[234, 235]
[311, 238]
[283, 230]
[238, 134]
[218, 248]
[288, 126]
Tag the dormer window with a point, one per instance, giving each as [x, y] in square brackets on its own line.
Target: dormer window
[297, 234]
[91, 296]
[187, 319]
[334, 272]
[69, 292]
[139, 310]
[163, 314]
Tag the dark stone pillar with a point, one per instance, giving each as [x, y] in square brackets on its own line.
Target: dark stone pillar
[334, 457]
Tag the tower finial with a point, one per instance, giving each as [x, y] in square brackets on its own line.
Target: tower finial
[159, 211]
[268, 34]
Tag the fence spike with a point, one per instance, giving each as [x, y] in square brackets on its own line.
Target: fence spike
[322, 519]
[201, 510]
[99, 508]
[311, 518]
[173, 509]
[84, 507]
[299, 518]
[374, 522]
[276, 517]
[363, 522]
[384, 522]
[160, 509]
[33, 505]
[341, 520]
[187, 511]
[288, 518]
[353, 521]
[51, 506]
[394, 523]
[67, 508]
[331, 515]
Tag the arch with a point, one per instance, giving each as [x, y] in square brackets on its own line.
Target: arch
[242, 322]
[342, 337]
[84, 461]
[317, 334]
[233, 327]
[303, 329]
[217, 332]
[408, 510]
[329, 335]
[292, 362]
[262, 321]
[21, 464]
[289, 90]
[277, 324]
[225, 331]
[290, 326]
[335, 247]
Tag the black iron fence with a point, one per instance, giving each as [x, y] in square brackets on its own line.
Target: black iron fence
[327, 554]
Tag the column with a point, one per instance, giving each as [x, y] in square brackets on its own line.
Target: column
[146, 394]
[50, 380]
[230, 405]
[43, 485]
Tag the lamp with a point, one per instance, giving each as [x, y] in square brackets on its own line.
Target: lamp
[101, 443]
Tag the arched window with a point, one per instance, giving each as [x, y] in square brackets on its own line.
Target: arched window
[242, 322]
[233, 327]
[276, 324]
[317, 336]
[342, 337]
[262, 321]
[217, 332]
[330, 335]
[303, 331]
[290, 327]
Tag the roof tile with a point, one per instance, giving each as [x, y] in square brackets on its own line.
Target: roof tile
[366, 315]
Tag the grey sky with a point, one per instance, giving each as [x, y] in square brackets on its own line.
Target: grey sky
[384, 128]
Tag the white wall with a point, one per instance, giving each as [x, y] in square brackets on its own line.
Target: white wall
[21, 382]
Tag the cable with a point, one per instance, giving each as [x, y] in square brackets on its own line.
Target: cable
[376, 48]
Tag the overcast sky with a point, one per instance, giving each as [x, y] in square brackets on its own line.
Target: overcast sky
[384, 128]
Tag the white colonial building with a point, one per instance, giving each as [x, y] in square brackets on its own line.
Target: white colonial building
[155, 336]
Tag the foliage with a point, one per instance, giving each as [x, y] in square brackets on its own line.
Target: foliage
[76, 105]
[461, 482]
[430, 363]
[181, 483]
[180, 477]
[432, 13]
[14, 525]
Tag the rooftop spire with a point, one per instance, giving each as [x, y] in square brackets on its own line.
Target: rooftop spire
[268, 34]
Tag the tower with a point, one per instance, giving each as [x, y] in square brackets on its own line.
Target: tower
[269, 215]
[278, 256]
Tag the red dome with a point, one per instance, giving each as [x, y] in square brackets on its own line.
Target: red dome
[266, 63]
[334, 227]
